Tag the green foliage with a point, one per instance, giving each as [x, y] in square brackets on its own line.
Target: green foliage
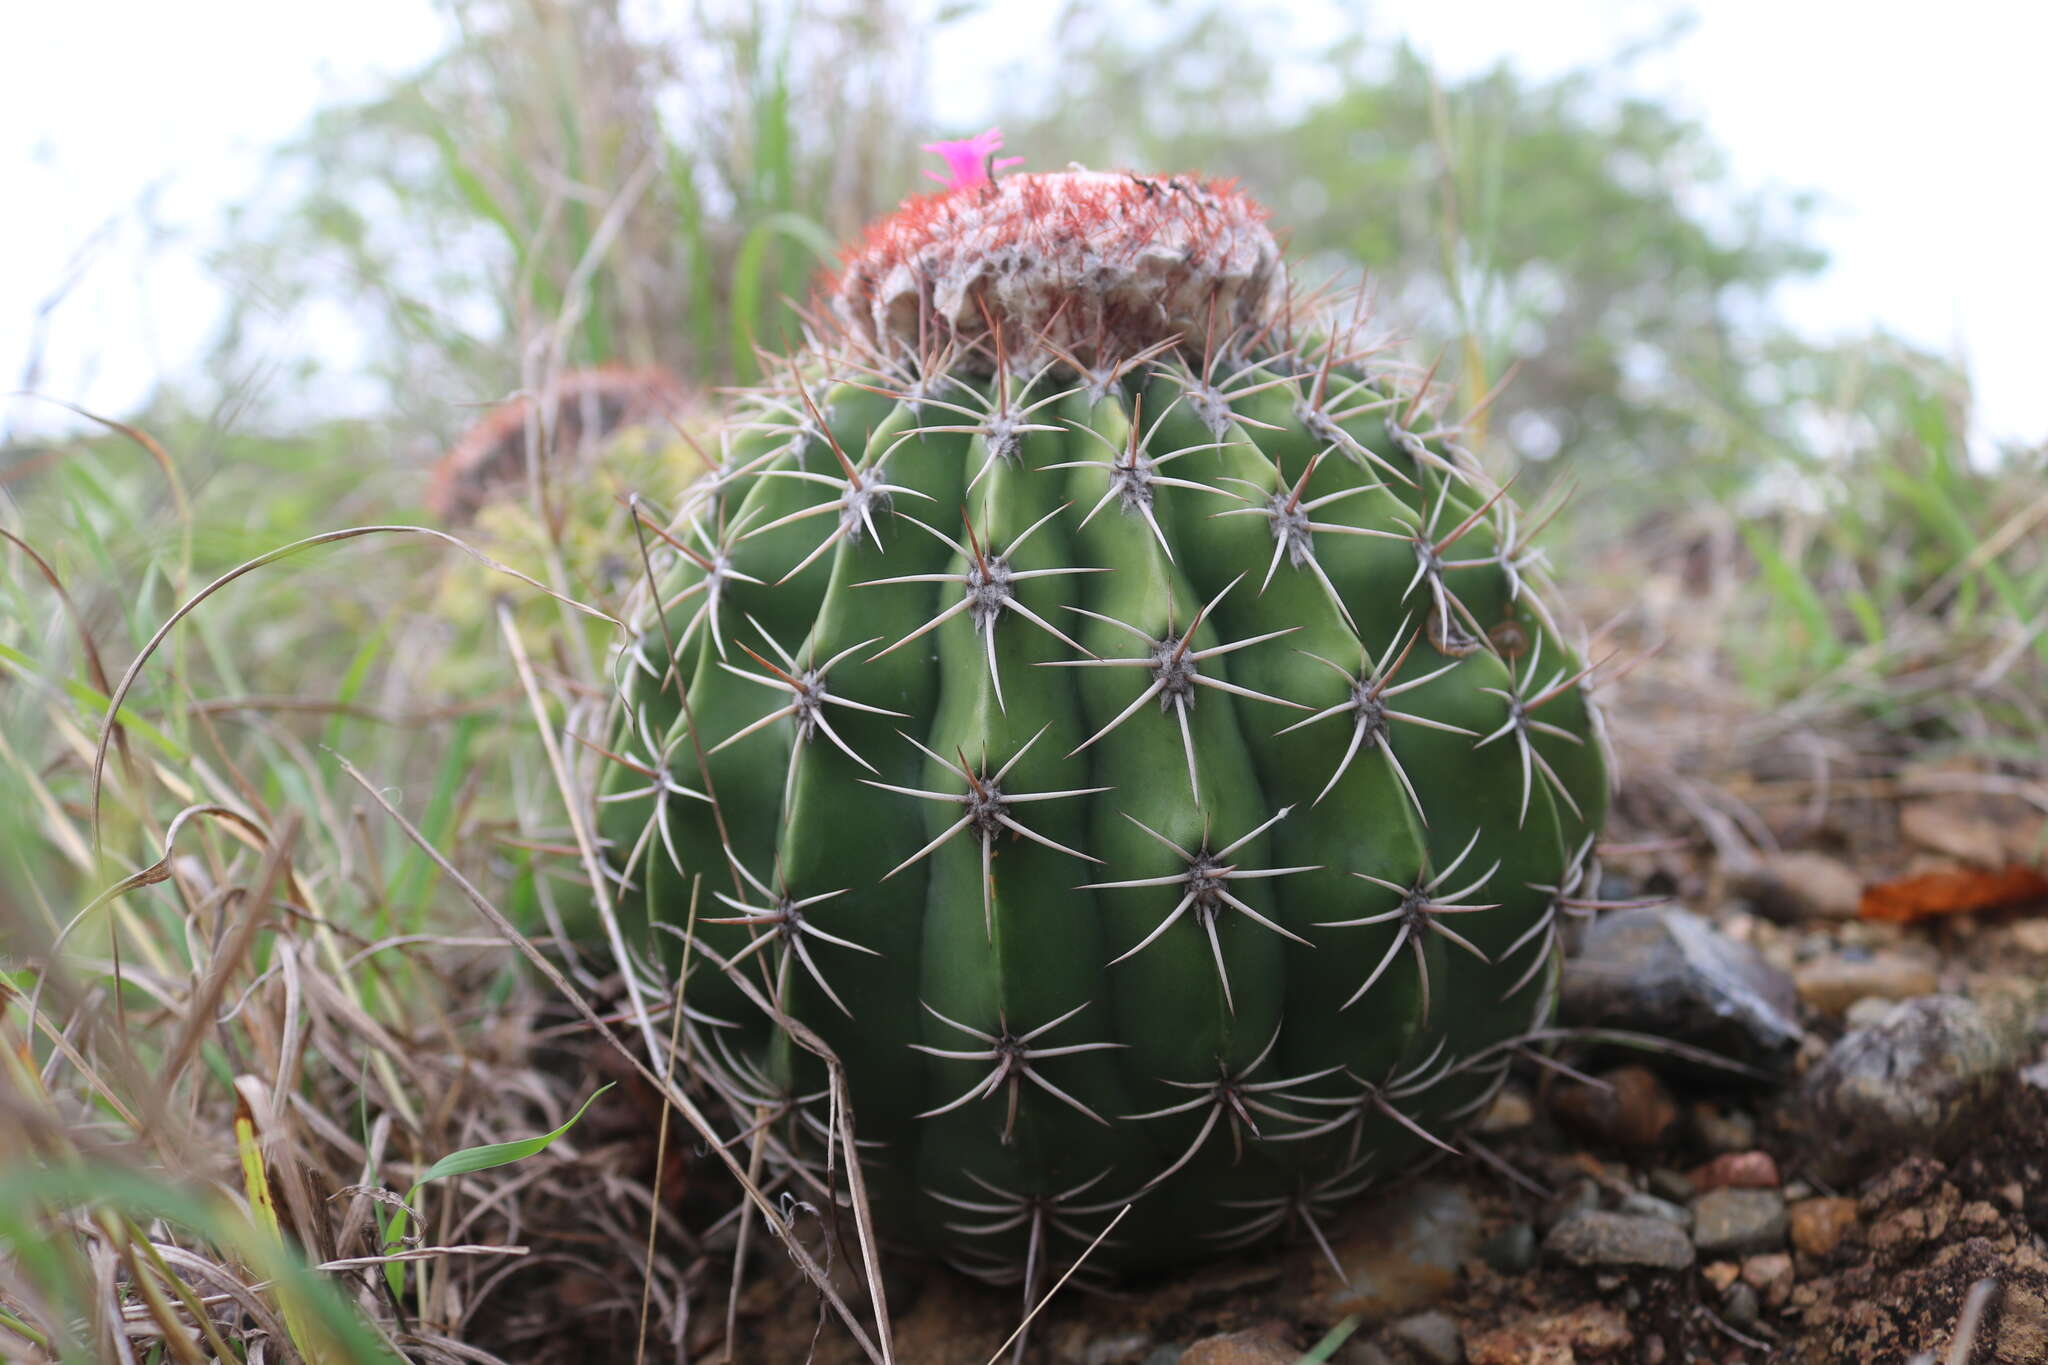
[557, 191]
[484, 1157]
[1593, 240]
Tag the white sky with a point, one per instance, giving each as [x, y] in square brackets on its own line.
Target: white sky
[1922, 127]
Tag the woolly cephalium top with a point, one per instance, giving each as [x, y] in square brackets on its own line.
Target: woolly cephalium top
[1082, 267]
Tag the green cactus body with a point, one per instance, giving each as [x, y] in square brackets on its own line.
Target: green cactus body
[1147, 765]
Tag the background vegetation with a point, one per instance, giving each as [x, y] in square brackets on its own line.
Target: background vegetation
[244, 1007]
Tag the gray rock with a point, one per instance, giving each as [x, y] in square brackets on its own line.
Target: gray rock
[1511, 1251]
[1793, 886]
[1724, 1130]
[1650, 1206]
[1664, 971]
[1164, 1355]
[1732, 1222]
[1356, 1352]
[1433, 1337]
[1403, 1251]
[1833, 983]
[1577, 1197]
[1124, 1346]
[1619, 1239]
[1669, 1184]
[1917, 1078]
[1739, 1305]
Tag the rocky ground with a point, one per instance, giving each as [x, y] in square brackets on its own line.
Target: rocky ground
[1872, 1188]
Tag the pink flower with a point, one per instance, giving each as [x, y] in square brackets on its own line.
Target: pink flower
[970, 161]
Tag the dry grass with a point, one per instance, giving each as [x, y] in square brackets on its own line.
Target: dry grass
[285, 937]
[318, 912]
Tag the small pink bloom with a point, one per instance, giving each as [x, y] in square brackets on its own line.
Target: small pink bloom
[968, 160]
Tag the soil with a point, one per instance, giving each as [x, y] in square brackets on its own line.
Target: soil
[1924, 1230]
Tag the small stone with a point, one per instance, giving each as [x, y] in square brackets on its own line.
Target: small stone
[1770, 1275]
[1942, 827]
[1239, 1348]
[1554, 1339]
[1433, 1337]
[1867, 1011]
[1670, 1184]
[1511, 1110]
[1511, 1251]
[1164, 1355]
[1404, 1253]
[2030, 936]
[1113, 1349]
[1723, 1130]
[1579, 1196]
[1721, 1274]
[1732, 1222]
[1739, 1305]
[1833, 984]
[1664, 971]
[1919, 1078]
[1737, 1170]
[1630, 1109]
[1818, 1225]
[1801, 885]
[1650, 1206]
[1356, 1352]
[1619, 1239]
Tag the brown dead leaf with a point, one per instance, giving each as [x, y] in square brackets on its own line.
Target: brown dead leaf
[1956, 892]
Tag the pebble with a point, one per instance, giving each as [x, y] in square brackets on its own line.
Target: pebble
[1917, 1078]
[1554, 1339]
[1593, 1238]
[1723, 1130]
[1512, 1250]
[1943, 828]
[1433, 1337]
[1650, 1206]
[1356, 1352]
[1867, 1011]
[2030, 935]
[1110, 1350]
[1737, 1170]
[1799, 885]
[1665, 971]
[1511, 1109]
[1721, 1274]
[1630, 1109]
[1732, 1222]
[1832, 984]
[1739, 1305]
[1670, 1184]
[1770, 1275]
[1406, 1251]
[1818, 1225]
[1579, 1196]
[1239, 1348]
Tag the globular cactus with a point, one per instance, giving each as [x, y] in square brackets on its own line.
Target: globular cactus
[1099, 699]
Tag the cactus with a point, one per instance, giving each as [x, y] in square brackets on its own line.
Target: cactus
[1097, 698]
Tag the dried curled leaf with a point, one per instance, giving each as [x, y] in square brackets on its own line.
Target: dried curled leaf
[1952, 893]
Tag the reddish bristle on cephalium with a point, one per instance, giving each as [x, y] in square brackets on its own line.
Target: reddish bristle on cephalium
[1081, 268]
